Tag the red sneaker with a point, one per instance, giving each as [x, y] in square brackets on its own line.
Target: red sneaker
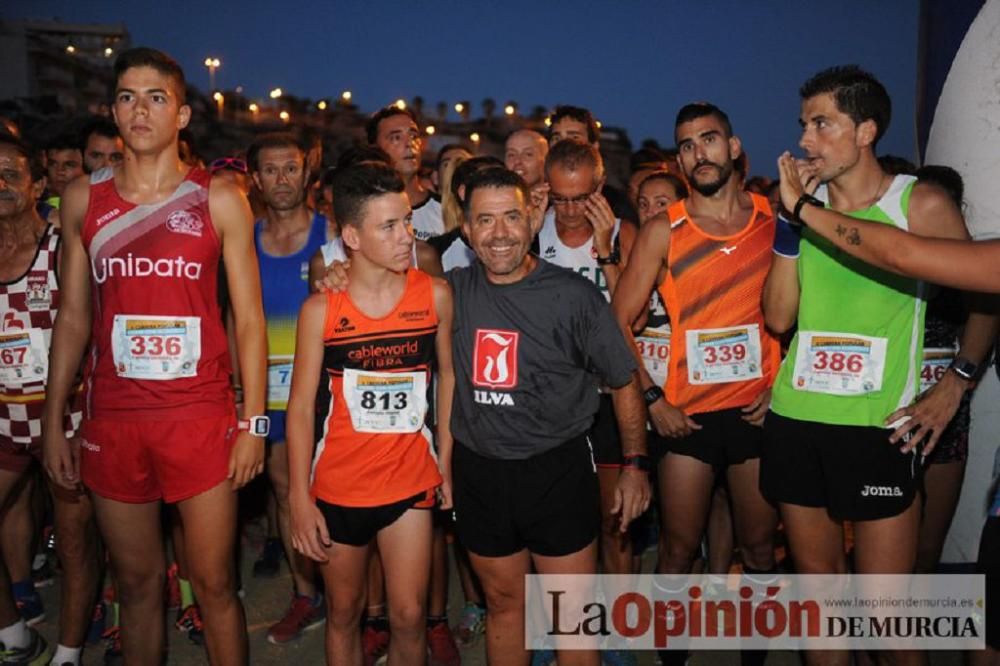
[374, 644]
[173, 592]
[301, 616]
[441, 646]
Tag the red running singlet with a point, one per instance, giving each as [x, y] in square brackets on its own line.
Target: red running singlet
[158, 346]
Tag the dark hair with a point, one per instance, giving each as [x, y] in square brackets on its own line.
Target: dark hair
[146, 57]
[355, 185]
[579, 114]
[946, 178]
[309, 137]
[371, 128]
[757, 184]
[856, 92]
[357, 154]
[696, 110]
[65, 140]
[272, 140]
[895, 165]
[100, 126]
[327, 177]
[570, 155]
[32, 156]
[465, 170]
[495, 177]
[667, 177]
[446, 148]
[646, 157]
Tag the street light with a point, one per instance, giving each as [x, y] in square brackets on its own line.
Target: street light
[474, 137]
[401, 104]
[212, 64]
[70, 49]
[284, 116]
[430, 130]
[108, 51]
[321, 105]
[459, 108]
[220, 101]
[253, 107]
[510, 109]
[276, 93]
[346, 96]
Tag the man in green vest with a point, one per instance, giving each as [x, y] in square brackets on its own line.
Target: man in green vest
[856, 356]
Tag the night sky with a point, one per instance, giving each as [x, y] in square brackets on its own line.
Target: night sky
[633, 62]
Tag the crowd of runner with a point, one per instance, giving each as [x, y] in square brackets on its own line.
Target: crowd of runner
[729, 364]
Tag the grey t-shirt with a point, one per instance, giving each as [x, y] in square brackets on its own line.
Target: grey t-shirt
[529, 358]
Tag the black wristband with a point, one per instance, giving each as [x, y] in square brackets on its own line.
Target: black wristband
[611, 259]
[639, 461]
[651, 395]
[964, 368]
[803, 200]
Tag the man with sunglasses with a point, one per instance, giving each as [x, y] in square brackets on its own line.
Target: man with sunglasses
[286, 237]
[233, 169]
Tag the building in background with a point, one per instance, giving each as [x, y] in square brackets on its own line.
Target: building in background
[57, 67]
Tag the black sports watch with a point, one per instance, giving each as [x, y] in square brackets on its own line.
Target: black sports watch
[610, 260]
[651, 395]
[803, 200]
[639, 461]
[964, 368]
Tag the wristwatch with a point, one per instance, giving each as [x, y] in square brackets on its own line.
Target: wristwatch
[651, 395]
[639, 461]
[612, 259]
[964, 368]
[803, 200]
[258, 426]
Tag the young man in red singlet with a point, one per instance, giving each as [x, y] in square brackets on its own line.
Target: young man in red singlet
[369, 352]
[142, 246]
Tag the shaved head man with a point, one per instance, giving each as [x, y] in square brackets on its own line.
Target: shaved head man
[525, 153]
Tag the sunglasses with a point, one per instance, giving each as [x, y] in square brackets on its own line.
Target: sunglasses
[234, 163]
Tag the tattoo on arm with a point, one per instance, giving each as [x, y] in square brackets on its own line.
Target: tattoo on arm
[854, 237]
[841, 230]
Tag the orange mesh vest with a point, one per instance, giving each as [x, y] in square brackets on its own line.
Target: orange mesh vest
[374, 445]
[722, 355]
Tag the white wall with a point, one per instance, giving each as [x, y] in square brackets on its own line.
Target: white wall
[966, 136]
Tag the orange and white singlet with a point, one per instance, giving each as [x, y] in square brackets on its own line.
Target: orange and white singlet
[374, 445]
[722, 355]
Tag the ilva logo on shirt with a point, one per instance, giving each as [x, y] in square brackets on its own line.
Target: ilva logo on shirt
[495, 365]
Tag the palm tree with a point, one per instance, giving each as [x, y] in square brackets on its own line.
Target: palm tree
[489, 107]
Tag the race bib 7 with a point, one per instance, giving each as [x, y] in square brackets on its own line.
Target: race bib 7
[279, 381]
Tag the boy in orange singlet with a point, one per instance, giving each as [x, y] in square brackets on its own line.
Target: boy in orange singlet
[368, 353]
